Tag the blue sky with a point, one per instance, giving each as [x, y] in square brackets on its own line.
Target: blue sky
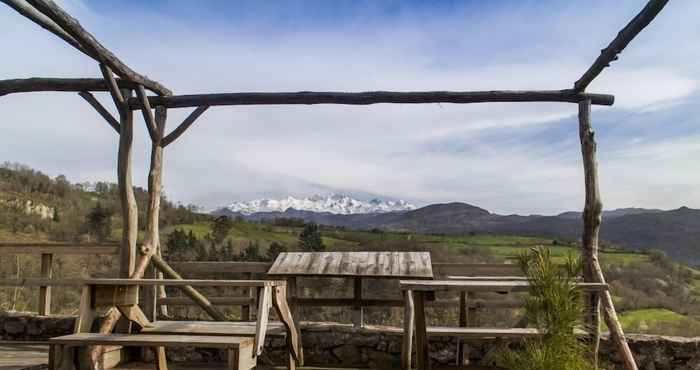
[508, 158]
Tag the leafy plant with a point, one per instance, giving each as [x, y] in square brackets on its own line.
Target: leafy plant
[555, 307]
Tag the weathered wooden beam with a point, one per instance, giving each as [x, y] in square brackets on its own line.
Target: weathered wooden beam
[57, 248]
[147, 113]
[179, 130]
[592, 218]
[188, 290]
[114, 90]
[38, 84]
[73, 28]
[45, 291]
[23, 8]
[101, 110]
[372, 97]
[623, 38]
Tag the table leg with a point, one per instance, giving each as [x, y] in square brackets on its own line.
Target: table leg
[265, 298]
[161, 362]
[293, 338]
[408, 323]
[422, 347]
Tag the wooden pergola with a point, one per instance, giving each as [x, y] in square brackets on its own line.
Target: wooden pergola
[122, 83]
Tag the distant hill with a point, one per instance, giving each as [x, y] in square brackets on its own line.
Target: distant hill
[676, 232]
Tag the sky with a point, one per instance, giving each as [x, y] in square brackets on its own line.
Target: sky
[505, 157]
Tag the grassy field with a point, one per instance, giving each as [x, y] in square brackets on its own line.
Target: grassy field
[656, 320]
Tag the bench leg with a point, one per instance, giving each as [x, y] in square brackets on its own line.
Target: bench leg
[279, 301]
[408, 322]
[422, 347]
[62, 358]
[161, 362]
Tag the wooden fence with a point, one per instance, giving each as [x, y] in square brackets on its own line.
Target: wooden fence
[248, 300]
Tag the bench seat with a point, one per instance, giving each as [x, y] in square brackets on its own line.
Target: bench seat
[240, 349]
[151, 340]
[222, 328]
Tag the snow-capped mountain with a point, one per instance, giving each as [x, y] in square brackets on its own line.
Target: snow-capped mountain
[332, 203]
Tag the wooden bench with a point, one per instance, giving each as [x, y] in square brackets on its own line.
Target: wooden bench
[240, 349]
[238, 328]
[122, 294]
[417, 292]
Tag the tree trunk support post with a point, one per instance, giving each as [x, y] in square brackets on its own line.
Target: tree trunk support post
[592, 217]
[45, 291]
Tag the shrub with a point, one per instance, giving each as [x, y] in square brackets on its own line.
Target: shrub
[554, 306]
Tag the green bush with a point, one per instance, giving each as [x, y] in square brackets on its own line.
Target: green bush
[554, 306]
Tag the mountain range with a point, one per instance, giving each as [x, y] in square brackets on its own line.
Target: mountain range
[676, 232]
[331, 203]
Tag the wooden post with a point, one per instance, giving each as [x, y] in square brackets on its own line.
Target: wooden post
[592, 218]
[422, 345]
[126, 193]
[357, 319]
[408, 323]
[245, 309]
[462, 357]
[45, 291]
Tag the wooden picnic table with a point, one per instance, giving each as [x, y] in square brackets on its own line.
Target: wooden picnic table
[123, 295]
[418, 291]
[352, 265]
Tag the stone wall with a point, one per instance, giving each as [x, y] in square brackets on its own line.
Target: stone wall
[344, 346]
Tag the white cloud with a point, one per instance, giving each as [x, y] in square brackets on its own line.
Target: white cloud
[478, 153]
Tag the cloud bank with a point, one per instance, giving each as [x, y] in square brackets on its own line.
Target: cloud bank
[506, 157]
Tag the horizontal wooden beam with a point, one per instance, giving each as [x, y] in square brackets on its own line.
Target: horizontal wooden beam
[38, 84]
[623, 38]
[219, 301]
[218, 267]
[371, 97]
[184, 282]
[63, 248]
[39, 282]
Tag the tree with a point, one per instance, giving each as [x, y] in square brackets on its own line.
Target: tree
[56, 217]
[310, 239]
[251, 253]
[220, 229]
[274, 250]
[98, 222]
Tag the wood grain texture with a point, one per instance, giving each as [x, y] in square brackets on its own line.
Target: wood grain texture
[182, 282]
[483, 286]
[58, 248]
[93, 47]
[371, 97]
[247, 329]
[623, 38]
[88, 97]
[23, 8]
[45, 290]
[186, 123]
[138, 340]
[38, 84]
[592, 218]
[353, 264]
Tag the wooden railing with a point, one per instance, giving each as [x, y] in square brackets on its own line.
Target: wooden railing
[47, 251]
[250, 270]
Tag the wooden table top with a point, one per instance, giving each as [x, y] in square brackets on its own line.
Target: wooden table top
[483, 286]
[391, 265]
